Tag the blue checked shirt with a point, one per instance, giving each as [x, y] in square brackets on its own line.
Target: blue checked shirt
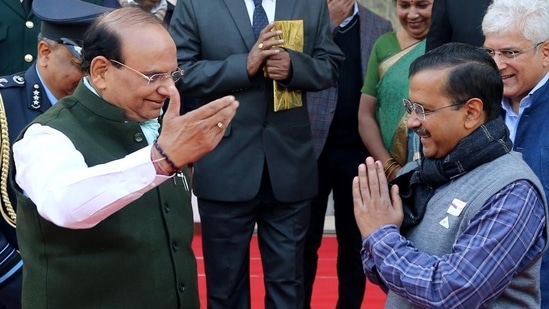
[501, 239]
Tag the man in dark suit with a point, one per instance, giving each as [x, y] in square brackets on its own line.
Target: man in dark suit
[339, 149]
[456, 21]
[263, 172]
[26, 95]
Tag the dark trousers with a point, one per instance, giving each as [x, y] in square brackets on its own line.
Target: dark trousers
[227, 228]
[10, 291]
[337, 168]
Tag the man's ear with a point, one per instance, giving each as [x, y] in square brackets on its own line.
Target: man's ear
[544, 50]
[43, 54]
[99, 70]
[475, 115]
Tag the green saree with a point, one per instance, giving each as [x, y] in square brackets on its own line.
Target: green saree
[393, 86]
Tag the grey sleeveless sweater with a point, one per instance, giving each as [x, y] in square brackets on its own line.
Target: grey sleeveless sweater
[475, 188]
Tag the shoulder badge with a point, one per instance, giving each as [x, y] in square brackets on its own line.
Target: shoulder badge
[36, 95]
[15, 80]
[18, 79]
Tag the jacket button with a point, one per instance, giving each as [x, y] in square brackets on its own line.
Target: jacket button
[29, 24]
[139, 137]
[175, 246]
[28, 58]
[181, 287]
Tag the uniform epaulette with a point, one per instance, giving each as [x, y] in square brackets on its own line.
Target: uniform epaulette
[15, 80]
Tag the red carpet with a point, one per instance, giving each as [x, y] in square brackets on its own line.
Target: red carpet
[325, 289]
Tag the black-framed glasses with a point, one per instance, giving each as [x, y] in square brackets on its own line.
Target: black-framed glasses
[410, 107]
[73, 46]
[509, 53]
[175, 75]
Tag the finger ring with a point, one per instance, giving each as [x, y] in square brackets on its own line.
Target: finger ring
[220, 125]
[260, 46]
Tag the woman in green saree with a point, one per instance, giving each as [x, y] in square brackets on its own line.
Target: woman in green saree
[381, 115]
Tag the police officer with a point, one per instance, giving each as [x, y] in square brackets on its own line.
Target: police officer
[54, 74]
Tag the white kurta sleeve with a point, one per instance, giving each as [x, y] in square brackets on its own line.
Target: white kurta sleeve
[71, 194]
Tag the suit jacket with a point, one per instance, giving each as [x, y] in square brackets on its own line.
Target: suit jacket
[457, 21]
[18, 37]
[214, 57]
[535, 151]
[322, 104]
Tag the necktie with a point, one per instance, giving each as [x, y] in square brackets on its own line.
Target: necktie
[259, 19]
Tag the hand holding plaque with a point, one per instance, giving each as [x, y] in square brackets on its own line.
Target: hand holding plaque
[292, 33]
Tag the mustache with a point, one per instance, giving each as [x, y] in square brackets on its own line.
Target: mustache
[421, 131]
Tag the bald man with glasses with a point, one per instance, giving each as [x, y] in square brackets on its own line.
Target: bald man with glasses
[104, 212]
[54, 73]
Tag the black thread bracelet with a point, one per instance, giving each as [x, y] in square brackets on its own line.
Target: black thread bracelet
[165, 156]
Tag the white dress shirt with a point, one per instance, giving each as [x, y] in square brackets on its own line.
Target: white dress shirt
[348, 19]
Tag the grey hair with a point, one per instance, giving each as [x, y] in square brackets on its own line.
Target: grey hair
[528, 17]
[52, 43]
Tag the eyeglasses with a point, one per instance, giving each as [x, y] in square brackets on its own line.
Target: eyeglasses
[420, 110]
[509, 53]
[175, 75]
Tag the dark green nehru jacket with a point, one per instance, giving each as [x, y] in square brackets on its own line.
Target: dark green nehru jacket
[139, 257]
